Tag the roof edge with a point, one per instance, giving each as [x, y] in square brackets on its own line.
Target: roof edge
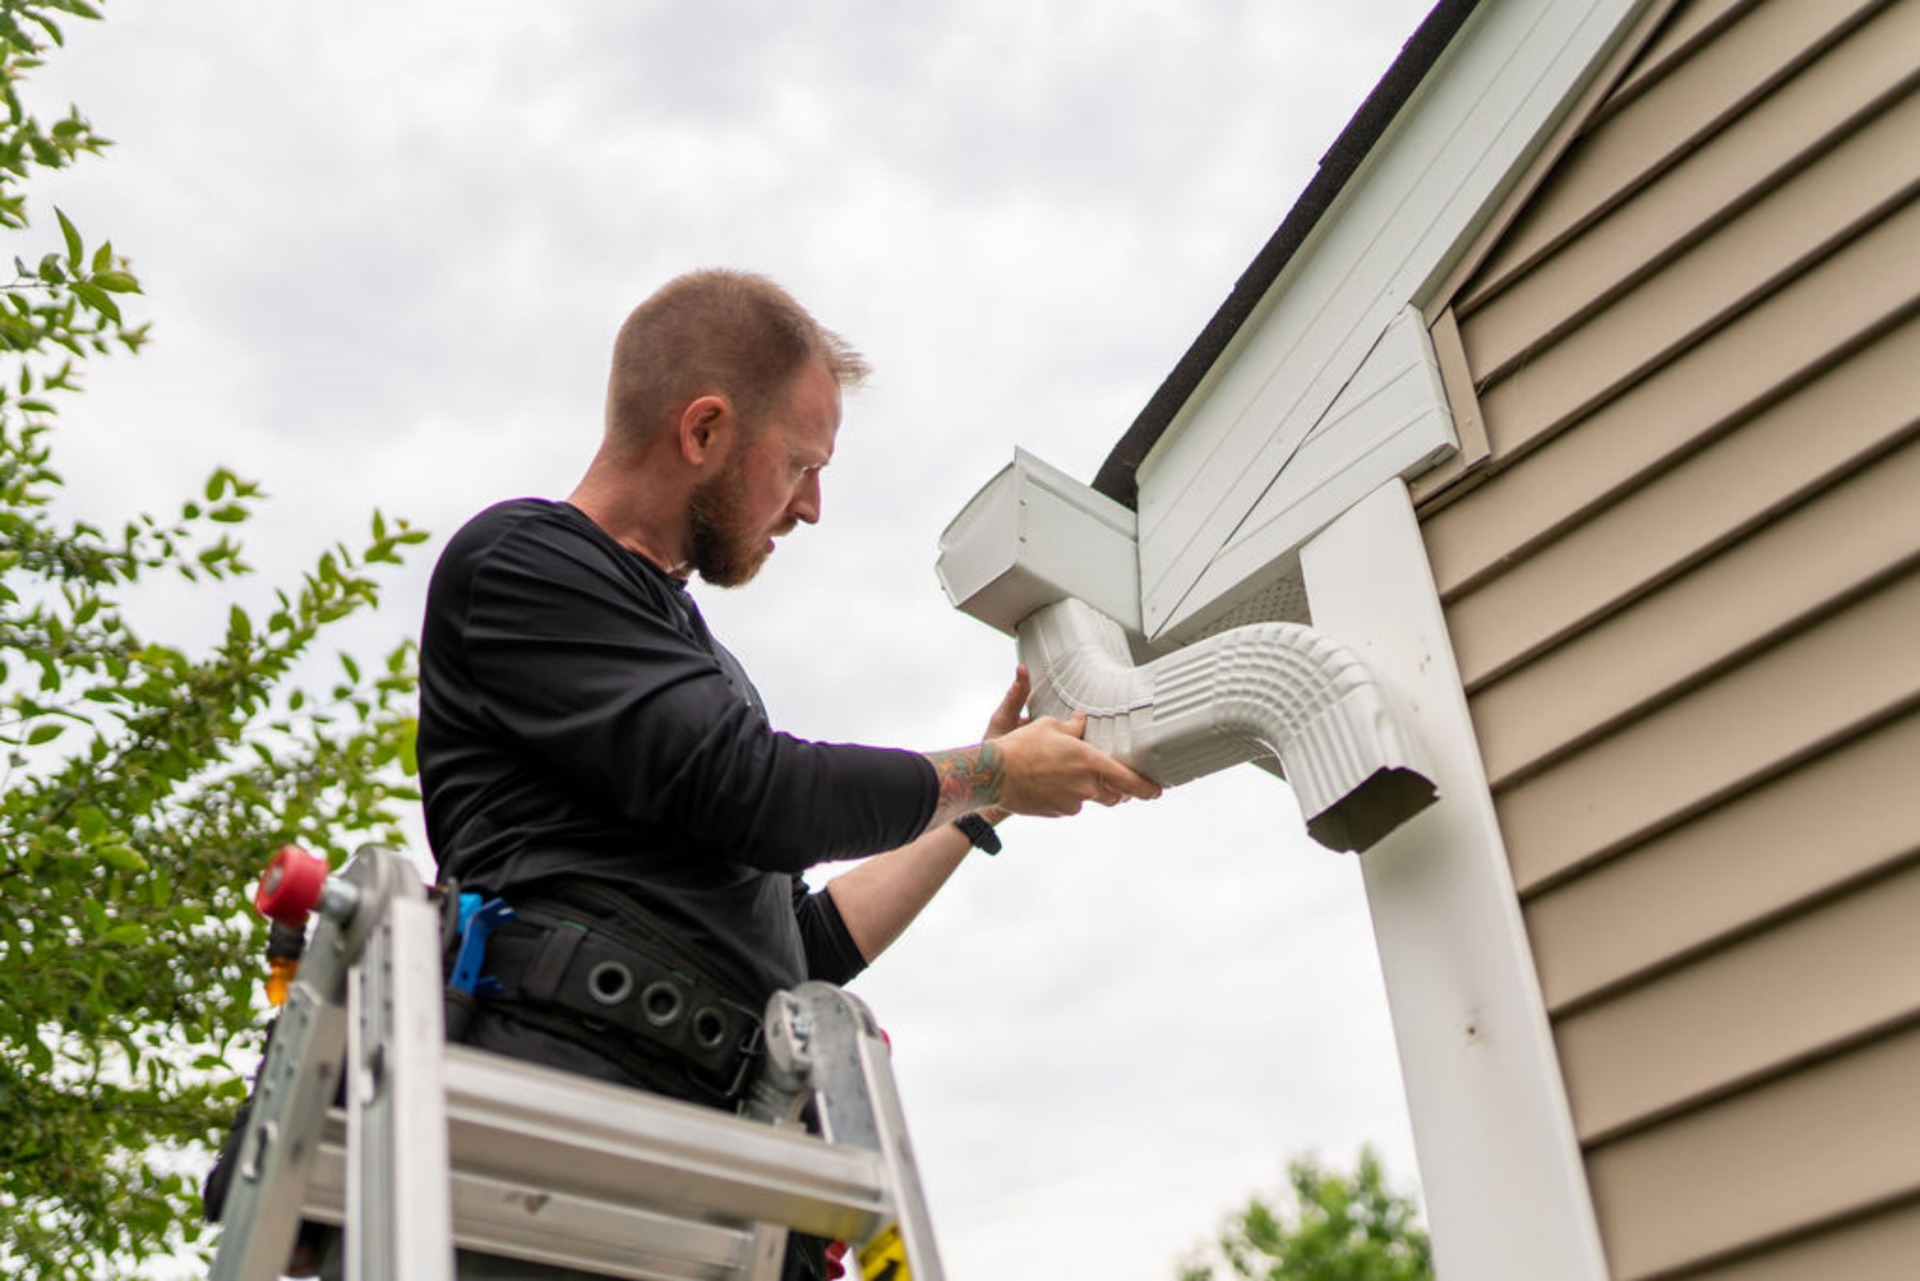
[1117, 476]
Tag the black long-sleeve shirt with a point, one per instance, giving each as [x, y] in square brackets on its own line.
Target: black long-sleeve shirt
[578, 719]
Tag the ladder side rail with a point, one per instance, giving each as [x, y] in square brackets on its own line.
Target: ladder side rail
[291, 1095]
[399, 1206]
[277, 1148]
[830, 1035]
[903, 1170]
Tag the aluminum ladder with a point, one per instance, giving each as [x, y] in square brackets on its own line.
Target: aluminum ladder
[441, 1146]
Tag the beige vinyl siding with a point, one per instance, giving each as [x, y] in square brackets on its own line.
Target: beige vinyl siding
[1876, 1248]
[1684, 592]
[1830, 1140]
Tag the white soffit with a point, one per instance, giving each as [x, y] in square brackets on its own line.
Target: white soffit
[1505, 81]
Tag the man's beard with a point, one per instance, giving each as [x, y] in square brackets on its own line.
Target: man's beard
[723, 553]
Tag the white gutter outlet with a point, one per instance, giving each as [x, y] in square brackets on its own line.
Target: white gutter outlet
[1266, 689]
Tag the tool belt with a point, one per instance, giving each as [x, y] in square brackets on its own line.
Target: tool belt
[587, 964]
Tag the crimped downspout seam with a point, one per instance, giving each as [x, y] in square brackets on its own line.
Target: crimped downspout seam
[1275, 689]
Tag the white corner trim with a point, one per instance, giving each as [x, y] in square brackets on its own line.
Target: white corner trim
[1266, 689]
[1501, 1169]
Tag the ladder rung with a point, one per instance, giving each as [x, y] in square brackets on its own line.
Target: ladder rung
[503, 1217]
[554, 1166]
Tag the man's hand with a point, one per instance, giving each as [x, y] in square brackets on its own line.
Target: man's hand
[1008, 716]
[1042, 767]
[1050, 770]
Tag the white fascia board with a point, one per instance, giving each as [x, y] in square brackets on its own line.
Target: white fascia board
[1500, 1167]
[1506, 80]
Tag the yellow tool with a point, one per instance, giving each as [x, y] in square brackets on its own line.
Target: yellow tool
[885, 1257]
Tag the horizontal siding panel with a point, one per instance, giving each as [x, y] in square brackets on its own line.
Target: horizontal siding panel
[1879, 1247]
[1659, 125]
[1690, 25]
[1852, 669]
[1654, 323]
[1840, 817]
[1825, 978]
[1750, 362]
[1799, 564]
[1828, 1142]
[1702, 290]
[1690, 508]
[1850, 151]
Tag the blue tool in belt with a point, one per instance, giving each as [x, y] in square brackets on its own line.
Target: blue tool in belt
[478, 920]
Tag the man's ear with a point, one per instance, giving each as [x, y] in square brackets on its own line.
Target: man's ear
[706, 428]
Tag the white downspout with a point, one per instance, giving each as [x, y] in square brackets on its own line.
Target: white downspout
[1267, 689]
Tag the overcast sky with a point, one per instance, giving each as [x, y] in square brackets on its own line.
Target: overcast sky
[386, 246]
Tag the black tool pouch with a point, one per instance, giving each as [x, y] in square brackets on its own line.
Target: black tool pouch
[590, 965]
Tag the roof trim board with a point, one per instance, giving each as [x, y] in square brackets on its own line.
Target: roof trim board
[1411, 206]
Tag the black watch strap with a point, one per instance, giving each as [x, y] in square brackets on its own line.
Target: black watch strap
[980, 832]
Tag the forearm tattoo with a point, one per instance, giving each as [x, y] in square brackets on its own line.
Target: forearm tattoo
[970, 778]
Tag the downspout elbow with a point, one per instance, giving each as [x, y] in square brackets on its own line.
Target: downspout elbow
[1276, 689]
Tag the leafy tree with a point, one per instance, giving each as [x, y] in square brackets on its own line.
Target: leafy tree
[1332, 1227]
[141, 786]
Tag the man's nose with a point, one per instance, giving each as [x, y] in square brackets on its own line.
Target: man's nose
[806, 502]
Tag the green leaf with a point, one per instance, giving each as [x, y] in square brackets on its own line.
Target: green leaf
[98, 299]
[72, 234]
[119, 282]
[121, 858]
[45, 733]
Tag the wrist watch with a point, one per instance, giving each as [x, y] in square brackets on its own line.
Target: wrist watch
[979, 832]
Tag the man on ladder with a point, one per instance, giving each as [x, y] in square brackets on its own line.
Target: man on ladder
[600, 773]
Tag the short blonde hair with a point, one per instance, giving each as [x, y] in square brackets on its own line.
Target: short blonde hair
[731, 333]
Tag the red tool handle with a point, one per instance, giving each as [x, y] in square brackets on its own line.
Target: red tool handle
[291, 885]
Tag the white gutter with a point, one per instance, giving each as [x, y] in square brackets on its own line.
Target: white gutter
[1264, 690]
